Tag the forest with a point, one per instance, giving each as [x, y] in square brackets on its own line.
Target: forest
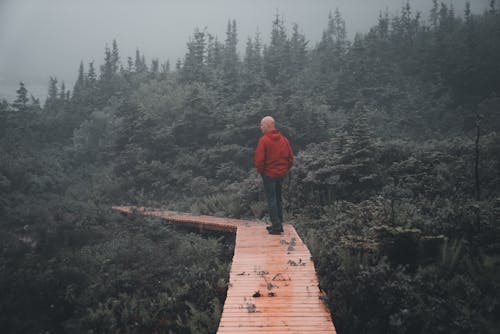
[395, 186]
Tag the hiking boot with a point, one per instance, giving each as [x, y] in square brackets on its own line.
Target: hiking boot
[274, 230]
[270, 227]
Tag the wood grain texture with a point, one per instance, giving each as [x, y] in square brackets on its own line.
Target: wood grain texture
[273, 286]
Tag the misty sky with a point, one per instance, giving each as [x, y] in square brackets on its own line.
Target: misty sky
[43, 38]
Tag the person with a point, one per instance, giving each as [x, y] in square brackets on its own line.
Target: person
[273, 158]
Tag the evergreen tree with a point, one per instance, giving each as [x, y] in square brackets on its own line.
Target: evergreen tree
[111, 62]
[22, 97]
[107, 68]
[92, 76]
[214, 53]
[214, 60]
[53, 96]
[194, 62]
[130, 65]
[253, 83]
[329, 59]
[230, 61]
[91, 89]
[62, 92]
[35, 103]
[277, 54]
[115, 57]
[257, 52]
[155, 66]
[178, 65]
[79, 87]
[140, 62]
[298, 51]
[337, 29]
[53, 90]
[165, 69]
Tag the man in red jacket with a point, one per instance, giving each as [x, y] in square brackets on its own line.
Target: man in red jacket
[273, 158]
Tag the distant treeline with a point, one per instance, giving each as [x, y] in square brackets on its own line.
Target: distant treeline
[395, 187]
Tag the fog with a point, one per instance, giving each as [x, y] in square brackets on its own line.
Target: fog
[43, 38]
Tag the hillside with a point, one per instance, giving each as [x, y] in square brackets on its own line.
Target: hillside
[395, 188]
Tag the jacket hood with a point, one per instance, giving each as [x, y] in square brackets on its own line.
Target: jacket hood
[274, 135]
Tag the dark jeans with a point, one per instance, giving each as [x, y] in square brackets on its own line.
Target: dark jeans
[272, 188]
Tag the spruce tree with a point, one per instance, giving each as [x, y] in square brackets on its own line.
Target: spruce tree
[53, 95]
[165, 68]
[230, 51]
[115, 57]
[298, 50]
[140, 62]
[22, 97]
[130, 64]
[79, 87]
[62, 92]
[253, 83]
[107, 69]
[230, 66]
[194, 61]
[276, 55]
[91, 76]
[35, 103]
[155, 66]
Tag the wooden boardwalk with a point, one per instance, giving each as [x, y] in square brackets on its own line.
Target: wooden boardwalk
[273, 286]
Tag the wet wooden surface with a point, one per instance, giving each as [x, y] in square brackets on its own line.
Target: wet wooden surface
[273, 286]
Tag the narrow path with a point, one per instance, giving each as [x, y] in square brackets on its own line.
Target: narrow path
[273, 286]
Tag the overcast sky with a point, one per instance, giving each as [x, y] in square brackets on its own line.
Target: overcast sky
[43, 38]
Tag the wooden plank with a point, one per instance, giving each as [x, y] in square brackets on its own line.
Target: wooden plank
[278, 267]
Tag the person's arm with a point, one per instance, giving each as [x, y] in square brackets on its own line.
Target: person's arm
[260, 156]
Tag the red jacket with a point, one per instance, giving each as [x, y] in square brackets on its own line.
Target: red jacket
[273, 155]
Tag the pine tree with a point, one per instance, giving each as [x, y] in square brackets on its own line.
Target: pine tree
[165, 68]
[62, 92]
[107, 67]
[253, 83]
[115, 57]
[178, 65]
[79, 87]
[214, 53]
[140, 62]
[35, 103]
[298, 50]
[230, 51]
[155, 66]
[257, 51]
[214, 62]
[92, 76]
[277, 54]
[53, 88]
[91, 87]
[53, 95]
[22, 97]
[130, 64]
[248, 61]
[329, 58]
[194, 61]
[336, 28]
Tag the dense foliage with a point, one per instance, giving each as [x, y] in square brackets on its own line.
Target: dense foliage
[395, 188]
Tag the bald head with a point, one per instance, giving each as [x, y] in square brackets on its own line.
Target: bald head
[267, 124]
